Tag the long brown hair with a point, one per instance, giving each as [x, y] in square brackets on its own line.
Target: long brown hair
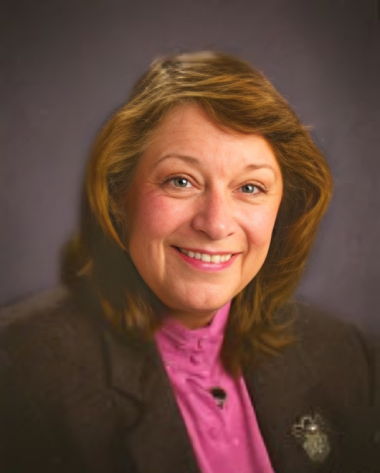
[236, 97]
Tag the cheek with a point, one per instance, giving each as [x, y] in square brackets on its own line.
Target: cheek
[259, 226]
[155, 218]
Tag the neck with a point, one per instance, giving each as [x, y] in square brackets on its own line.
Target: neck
[193, 320]
[197, 319]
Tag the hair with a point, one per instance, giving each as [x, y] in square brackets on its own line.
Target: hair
[236, 97]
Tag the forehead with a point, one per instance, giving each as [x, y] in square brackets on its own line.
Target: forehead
[183, 121]
[187, 130]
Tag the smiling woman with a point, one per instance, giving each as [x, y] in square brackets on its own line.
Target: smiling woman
[177, 349]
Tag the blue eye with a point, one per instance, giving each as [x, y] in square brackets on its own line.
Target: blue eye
[180, 182]
[249, 189]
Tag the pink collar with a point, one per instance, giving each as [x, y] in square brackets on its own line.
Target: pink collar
[195, 352]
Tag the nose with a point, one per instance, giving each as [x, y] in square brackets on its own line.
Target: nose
[214, 215]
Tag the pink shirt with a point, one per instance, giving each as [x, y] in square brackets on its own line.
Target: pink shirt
[227, 439]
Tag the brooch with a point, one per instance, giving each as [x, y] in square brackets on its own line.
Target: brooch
[310, 432]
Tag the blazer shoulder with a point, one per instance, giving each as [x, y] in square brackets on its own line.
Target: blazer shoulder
[331, 349]
[43, 344]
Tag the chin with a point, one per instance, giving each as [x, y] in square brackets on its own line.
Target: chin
[205, 304]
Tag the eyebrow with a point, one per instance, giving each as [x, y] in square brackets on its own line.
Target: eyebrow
[197, 162]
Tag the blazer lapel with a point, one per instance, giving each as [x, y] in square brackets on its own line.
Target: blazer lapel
[156, 438]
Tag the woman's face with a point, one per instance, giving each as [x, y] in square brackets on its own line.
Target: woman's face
[201, 211]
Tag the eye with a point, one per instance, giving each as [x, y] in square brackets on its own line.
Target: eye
[180, 181]
[250, 189]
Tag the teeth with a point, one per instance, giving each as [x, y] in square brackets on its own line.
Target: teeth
[215, 258]
[207, 258]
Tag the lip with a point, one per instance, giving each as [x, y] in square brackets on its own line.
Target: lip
[199, 250]
[203, 265]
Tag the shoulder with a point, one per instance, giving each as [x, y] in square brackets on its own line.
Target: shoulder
[46, 341]
[323, 332]
[331, 351]
[326, 356]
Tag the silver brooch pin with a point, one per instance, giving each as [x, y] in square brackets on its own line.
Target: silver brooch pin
[310, 432]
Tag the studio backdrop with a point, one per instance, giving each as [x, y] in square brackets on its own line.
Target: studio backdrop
[66, 65]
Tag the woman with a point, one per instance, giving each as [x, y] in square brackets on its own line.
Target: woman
[179, 350]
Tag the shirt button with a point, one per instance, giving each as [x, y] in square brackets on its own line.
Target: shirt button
[195, 360]
[201, 343]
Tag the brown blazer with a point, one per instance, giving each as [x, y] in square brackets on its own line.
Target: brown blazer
[77, 397]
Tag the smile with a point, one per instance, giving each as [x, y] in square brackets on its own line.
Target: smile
[206, 257]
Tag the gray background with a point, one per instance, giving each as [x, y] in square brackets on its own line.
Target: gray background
[67, 64]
